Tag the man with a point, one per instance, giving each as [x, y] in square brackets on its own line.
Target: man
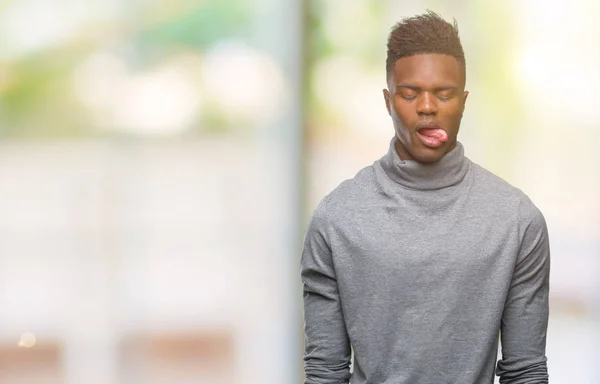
[419, 262]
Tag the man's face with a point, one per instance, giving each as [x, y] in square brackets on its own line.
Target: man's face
[426, 98]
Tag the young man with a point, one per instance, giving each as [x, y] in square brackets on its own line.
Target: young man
[421, 260]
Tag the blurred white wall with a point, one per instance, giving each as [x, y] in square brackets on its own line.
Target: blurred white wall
[104, 242]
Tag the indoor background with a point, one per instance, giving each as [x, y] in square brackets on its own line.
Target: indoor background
[159, 160]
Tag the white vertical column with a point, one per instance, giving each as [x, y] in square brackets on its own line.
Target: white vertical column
[269, 338]
[90, 349]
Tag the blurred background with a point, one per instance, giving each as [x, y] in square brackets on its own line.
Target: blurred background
[159, 160]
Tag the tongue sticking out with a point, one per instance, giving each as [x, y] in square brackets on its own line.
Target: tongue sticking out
[433, 136]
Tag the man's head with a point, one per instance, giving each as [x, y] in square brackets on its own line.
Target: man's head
[426, 94]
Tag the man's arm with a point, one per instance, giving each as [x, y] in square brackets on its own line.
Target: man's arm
[525, 318]
[327, 347]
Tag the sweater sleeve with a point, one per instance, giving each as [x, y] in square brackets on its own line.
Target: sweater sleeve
[525, 317]
[327, 346]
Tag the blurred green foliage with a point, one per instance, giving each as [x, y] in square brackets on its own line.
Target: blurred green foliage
[198, 26]
[37, 99]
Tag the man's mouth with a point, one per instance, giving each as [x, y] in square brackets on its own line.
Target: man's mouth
[431, 134]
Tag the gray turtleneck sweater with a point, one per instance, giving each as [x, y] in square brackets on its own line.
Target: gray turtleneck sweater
[417, 268]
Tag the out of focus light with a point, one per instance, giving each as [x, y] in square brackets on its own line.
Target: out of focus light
[573, 94]
[27, 340]
[33, 25]
[244, 82]
[558, 71]
[342, 84]
[97, 80]
[163, 101]
[350, 12]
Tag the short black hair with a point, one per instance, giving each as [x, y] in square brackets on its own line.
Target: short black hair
[426, 33]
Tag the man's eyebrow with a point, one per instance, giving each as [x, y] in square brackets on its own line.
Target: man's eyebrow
[409, 86]
[446, 87]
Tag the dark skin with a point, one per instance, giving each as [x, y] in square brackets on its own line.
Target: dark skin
[423, 90]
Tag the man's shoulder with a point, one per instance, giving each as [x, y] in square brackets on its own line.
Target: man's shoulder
[495, 185]
[350, 193]
[359, 183]
[505, 194]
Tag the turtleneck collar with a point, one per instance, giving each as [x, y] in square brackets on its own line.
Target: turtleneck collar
[450, 170]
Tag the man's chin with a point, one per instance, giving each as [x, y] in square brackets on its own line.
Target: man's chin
[422, 153]
[426, 154]
[429, 159]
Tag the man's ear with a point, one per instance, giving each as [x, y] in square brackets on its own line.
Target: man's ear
[465, 95]
[386, 96]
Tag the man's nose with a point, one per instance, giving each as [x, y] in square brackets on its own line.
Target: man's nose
[426, 104]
